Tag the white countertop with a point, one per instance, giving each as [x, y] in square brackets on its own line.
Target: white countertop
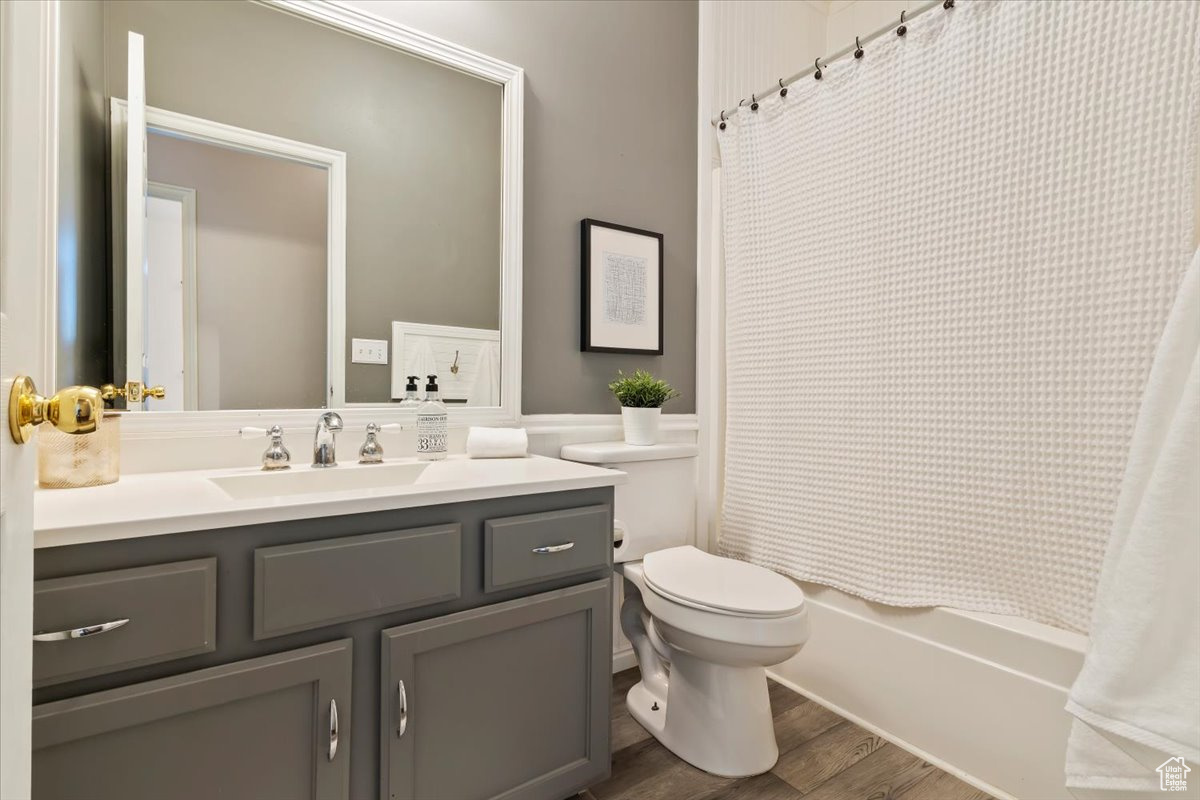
[173, 502]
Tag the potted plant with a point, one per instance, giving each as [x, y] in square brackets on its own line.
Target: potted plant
[641, 396]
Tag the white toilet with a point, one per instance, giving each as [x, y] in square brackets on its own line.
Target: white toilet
[703, 628]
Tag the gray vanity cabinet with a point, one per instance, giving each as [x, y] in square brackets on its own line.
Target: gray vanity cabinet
[234, 642]
[505, 701]
[270, 727]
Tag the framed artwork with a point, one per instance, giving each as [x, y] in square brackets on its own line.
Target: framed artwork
[622, 283]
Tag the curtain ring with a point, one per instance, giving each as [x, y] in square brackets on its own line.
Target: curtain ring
[903, 29]
[858, 51]
[753, 103]
[817, 67]
[722, 125]
[782, 88]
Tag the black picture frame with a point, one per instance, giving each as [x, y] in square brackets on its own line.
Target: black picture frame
[586, 227]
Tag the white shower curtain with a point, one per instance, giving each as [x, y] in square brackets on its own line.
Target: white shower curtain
[947, 268]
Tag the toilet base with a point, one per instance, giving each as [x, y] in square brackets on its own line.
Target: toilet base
[715, 717]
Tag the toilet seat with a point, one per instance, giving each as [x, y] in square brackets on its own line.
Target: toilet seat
[700, 580]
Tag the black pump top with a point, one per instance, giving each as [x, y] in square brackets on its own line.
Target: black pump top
[411, 386]
[432, 385]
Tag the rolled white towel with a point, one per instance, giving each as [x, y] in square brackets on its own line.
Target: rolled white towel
[497, 442]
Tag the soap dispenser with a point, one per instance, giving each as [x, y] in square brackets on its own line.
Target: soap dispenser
[410, 393]
[431, 424]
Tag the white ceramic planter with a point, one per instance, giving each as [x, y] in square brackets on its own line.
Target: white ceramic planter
[641, 424]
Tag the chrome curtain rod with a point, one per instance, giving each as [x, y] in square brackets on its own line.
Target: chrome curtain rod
[815, 70]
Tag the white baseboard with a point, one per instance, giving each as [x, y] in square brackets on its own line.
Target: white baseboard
[980, 696]
[623, 660]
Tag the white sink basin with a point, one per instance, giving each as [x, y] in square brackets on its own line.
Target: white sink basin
[310, 480]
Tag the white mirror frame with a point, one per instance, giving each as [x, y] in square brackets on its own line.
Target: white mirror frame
[439, 51]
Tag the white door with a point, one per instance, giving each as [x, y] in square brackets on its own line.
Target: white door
[165, 298]
[136, 297]
[28, 144]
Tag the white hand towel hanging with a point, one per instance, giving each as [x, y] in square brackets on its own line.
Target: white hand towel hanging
[485, 389]
[420, 361]
[1137, 698]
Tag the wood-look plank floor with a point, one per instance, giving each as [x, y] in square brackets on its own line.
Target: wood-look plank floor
[821, 757]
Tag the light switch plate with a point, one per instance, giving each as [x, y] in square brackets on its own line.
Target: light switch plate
[368, 351]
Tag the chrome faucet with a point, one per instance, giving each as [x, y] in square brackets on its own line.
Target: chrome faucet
[325, 440]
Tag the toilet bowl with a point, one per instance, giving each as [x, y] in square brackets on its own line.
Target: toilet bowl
[703, 654]
[703, 628]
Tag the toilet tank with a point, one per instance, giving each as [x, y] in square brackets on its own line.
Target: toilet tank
[656, 508]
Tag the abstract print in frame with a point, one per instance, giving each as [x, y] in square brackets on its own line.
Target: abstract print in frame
[622, 283]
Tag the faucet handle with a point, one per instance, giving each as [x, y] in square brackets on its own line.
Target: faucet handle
[371, 451]
[276, 455]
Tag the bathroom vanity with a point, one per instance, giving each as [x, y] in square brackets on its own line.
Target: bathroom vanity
[399, 630]
[447, 638]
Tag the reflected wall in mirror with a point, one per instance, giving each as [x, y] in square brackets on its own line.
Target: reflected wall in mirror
[261, 263]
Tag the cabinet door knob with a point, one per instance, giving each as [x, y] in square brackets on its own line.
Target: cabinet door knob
[333, 729]
[402, 721]
[554, 548]
[79, 633]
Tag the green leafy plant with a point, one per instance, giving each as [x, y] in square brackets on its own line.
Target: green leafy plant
[641, 390]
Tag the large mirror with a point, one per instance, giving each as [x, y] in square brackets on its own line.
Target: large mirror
[299, 211]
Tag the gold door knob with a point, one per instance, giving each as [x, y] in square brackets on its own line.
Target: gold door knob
[132, 391]
[75, 409]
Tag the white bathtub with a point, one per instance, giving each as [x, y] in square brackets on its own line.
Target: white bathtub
[979, 695]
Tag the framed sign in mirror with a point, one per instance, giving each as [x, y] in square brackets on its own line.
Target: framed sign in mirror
[622, 289]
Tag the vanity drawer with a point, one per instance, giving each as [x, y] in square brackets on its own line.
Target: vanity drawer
[107, 621]
[313, 584]
[537, 547]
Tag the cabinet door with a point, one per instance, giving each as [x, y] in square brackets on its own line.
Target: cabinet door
[506, 701]
[271, 727]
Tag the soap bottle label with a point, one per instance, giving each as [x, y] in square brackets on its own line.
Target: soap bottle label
[431, 434]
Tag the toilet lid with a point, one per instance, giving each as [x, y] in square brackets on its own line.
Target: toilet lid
[702, 579]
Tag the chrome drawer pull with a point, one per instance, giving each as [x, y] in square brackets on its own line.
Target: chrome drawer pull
[402, 725]
[554, 548]
[333, 729]
[79, 633]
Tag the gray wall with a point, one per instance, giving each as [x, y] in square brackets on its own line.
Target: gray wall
[83, 281]
[422, 147]
[260, 273]
[610, 133]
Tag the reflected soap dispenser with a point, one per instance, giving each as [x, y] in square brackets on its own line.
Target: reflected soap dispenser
[410, 393]
[431, 424]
